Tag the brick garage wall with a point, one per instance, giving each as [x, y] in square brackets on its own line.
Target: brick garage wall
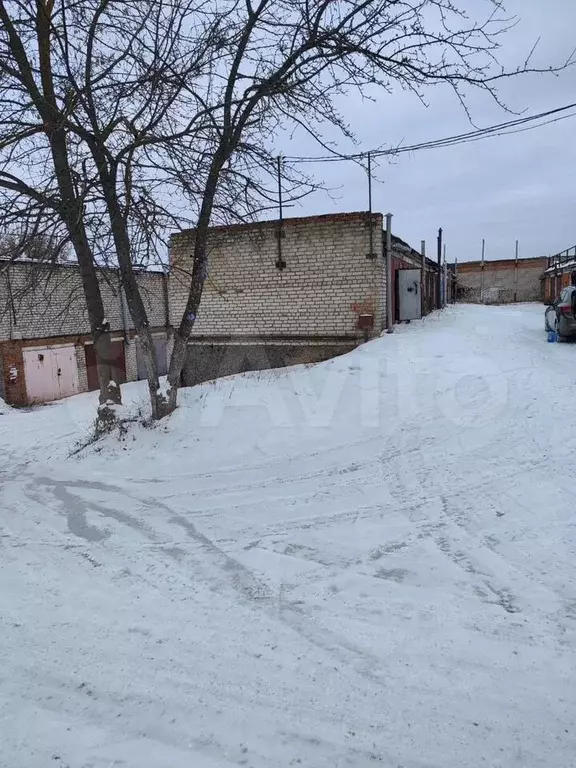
[13, 372]
[500, 281]
[11, 362]
[555, 279]
[154, 290]
[82, 372]
[44, 305]
[2, 391]
[405, 257]
[131, 363]
[328, 280]
[39, 301]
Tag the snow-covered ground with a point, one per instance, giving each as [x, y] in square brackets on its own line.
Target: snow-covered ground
[366, 562]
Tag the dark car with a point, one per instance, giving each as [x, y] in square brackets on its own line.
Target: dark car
[560, 316]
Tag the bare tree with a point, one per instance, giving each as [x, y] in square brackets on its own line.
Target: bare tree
[45, 247]
[123, 119]
[93, 99]
[287, 62]
[35, 141]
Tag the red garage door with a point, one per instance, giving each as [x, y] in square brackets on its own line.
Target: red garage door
[118, 363]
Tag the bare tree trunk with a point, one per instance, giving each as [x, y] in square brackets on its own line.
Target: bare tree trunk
[137, 311]
[131, 289]
[199, 272]
[110, 393]
[72, 212]
[177, 362]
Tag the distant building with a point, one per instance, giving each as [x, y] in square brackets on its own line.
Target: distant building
[558, 273]
[500, 282]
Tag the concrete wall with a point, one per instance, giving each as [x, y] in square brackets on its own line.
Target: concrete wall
[500, 281]
[208, 361]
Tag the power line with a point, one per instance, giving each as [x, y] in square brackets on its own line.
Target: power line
[500, 129]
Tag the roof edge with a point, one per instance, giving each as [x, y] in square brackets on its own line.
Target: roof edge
[266, 223]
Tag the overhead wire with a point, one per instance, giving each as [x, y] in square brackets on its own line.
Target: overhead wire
[500, 129]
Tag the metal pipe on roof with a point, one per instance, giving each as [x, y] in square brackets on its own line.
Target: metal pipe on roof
[482, 273]
[439, 272]
[389, 286]
[516, 273]
[423, 286]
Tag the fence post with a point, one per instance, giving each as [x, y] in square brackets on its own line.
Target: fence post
[516, 274]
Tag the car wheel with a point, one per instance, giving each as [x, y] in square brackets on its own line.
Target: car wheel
[559, 337]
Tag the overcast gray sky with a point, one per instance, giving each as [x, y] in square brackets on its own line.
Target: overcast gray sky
[521, 186]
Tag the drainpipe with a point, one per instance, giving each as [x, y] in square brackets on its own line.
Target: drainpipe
[389, 287]
[423, 286]
[166, 303]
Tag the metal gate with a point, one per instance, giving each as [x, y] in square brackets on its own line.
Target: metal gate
[409, 298]
[161, 357]
[51, 373]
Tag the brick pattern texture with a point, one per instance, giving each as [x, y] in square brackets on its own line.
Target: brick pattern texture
[44, 306]
[327, 283]
[500, 281]
[38, 301]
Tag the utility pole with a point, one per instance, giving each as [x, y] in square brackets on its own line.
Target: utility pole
[516, 274]
[389, 286]
[439, 275]
[371, 254]
[455, 289]
[423, 283]
[482, 273]
[280, 263]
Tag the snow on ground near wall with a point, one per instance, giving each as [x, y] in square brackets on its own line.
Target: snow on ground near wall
[365, 562]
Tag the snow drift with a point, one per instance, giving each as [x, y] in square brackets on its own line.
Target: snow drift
[365, 562]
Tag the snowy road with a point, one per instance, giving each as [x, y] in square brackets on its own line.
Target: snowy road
[367, 562]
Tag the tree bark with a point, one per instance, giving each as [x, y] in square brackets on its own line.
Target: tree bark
[199, 272]
[72, 211]
[129, 284]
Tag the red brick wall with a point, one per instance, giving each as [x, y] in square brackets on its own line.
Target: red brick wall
[12, 359]
[13, 372]
[554, 283]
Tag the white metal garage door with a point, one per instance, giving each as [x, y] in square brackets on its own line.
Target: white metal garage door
[409, 294]
[51, 373]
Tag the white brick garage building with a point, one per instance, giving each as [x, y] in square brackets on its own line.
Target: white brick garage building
[316, 295]
[46, 349]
